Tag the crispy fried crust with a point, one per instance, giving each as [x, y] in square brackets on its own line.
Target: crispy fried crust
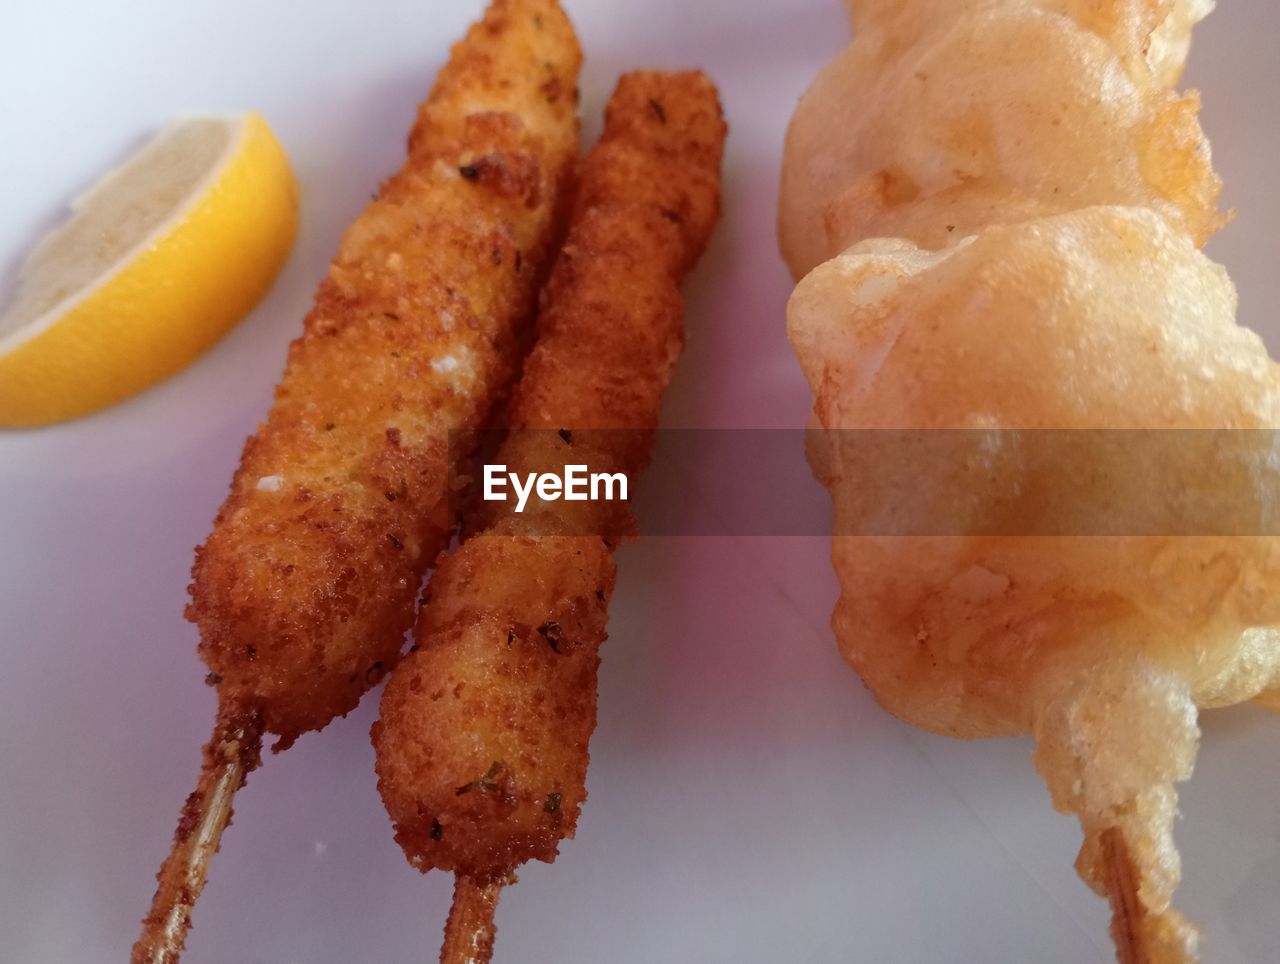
[947, 116]
[1026, 255]
[482, 745]
[306, 587]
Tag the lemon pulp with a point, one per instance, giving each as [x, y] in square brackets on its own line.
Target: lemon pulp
[159, 260]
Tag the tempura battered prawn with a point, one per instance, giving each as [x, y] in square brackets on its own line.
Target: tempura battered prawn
[1039, 308]
[307, 584]
[482, 743]
[950, 115]
[1103, 646]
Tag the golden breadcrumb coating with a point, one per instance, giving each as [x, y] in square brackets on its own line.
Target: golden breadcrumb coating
[482, 744]
[306, 587]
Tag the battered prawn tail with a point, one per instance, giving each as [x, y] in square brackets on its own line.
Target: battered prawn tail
[1111, 741]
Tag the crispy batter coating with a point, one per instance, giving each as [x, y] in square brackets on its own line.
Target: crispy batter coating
[948, 115]
[1150, 35]
[1014, 299]
[482, 745]
[952, 632]
[306, 587]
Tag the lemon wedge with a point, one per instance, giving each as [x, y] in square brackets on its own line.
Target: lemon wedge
[159, 259]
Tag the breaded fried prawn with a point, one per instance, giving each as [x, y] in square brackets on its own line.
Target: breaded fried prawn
[482, 741]
[1043, 273]
[307, 585]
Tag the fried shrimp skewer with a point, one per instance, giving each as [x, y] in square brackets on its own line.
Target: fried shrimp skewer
[482, 742]
[1006, 237]
[306, 587]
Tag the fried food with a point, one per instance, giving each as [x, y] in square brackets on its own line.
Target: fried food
[1002, 610]
[306, 587]
[307, 584]
[1045, 310]
[1103, 647]
[482, 743]
[946, 116]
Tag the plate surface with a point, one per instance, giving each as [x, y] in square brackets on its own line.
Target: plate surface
[749, 801]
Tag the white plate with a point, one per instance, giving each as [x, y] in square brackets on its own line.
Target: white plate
[749, 802]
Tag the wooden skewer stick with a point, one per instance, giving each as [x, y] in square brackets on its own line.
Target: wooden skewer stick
[233, 751]
[469, 931]
[1128, 915]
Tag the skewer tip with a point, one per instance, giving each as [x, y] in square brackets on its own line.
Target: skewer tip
[469, 933]
[233, 751]
[1128, 915]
